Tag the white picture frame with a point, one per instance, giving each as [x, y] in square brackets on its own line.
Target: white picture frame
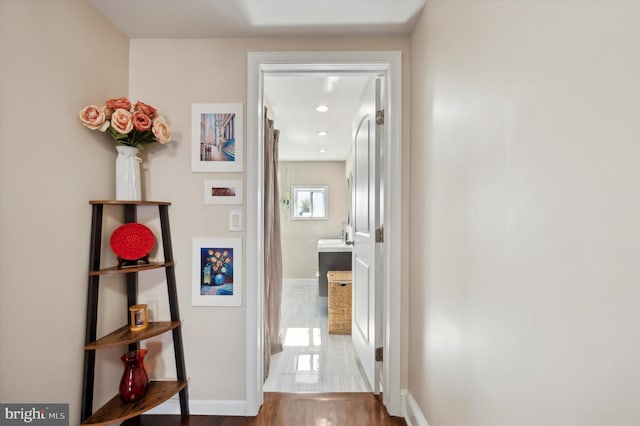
[223, 191]
[209, 259]
[217, 142]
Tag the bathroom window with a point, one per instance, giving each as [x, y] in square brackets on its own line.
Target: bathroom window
[309, 202]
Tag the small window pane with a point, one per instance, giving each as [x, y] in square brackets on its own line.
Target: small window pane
[318, 204]
[309, 203]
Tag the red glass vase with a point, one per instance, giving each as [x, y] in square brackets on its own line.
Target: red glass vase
[134, 382]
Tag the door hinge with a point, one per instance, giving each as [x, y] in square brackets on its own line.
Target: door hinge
[380, 235]
[380, 116]
[379, 352]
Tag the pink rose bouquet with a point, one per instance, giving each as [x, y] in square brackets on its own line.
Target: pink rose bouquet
[136, 125]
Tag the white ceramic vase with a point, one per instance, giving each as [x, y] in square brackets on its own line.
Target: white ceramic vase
[128, 185]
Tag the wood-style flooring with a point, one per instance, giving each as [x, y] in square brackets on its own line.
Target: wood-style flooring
[312, 360]
[293, 409]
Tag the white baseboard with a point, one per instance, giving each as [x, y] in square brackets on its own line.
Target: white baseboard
[203, 407]
[300, 281]
[411, 412]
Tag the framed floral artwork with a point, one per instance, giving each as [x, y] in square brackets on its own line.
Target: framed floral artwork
[217, 272]
[223, 192]
[216, 138]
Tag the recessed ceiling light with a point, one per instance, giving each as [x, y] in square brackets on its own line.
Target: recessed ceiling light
[322, 150]
[322, 108]
[322, 133]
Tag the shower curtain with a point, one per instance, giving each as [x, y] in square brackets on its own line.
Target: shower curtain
[272, 246]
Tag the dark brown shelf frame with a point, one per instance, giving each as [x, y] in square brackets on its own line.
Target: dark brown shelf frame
[115, 410]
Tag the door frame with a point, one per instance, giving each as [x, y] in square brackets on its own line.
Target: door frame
[389, 65]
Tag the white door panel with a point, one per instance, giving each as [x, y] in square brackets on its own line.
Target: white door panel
[361, 298]
[366, 312]
[362, 177]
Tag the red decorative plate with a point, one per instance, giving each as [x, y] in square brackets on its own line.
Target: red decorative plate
[132, 241]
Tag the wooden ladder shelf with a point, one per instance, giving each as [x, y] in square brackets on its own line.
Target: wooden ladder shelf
[116, 410]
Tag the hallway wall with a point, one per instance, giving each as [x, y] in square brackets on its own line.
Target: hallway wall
[56, 57]
[525, 226]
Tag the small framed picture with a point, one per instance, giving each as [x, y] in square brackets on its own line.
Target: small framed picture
[216, 138]
[223, 192]
[217, 272]
[139, 317]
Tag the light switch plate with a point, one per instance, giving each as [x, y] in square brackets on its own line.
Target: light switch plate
[235, 220]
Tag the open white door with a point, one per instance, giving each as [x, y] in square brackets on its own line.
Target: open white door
[366, 312]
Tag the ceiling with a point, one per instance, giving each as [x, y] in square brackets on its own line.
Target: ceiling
[293, 98]
[259, 18]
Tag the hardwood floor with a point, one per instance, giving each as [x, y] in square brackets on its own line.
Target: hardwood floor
[293, 409]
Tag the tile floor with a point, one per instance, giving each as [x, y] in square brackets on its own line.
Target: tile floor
[312, 360]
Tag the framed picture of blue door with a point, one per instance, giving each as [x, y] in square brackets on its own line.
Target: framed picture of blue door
[217, 272]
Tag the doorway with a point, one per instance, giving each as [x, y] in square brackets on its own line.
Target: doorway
[387, 64]
[313, 113]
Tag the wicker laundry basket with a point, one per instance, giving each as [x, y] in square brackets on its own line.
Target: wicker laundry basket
[339, 302]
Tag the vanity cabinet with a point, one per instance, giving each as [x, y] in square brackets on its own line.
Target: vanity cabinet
[333, 255]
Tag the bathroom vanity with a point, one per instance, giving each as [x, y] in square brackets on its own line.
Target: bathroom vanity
[333, 255]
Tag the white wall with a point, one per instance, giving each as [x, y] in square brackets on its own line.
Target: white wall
[525, 226]
[55, 58]
[173, 74]
[300, 237]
